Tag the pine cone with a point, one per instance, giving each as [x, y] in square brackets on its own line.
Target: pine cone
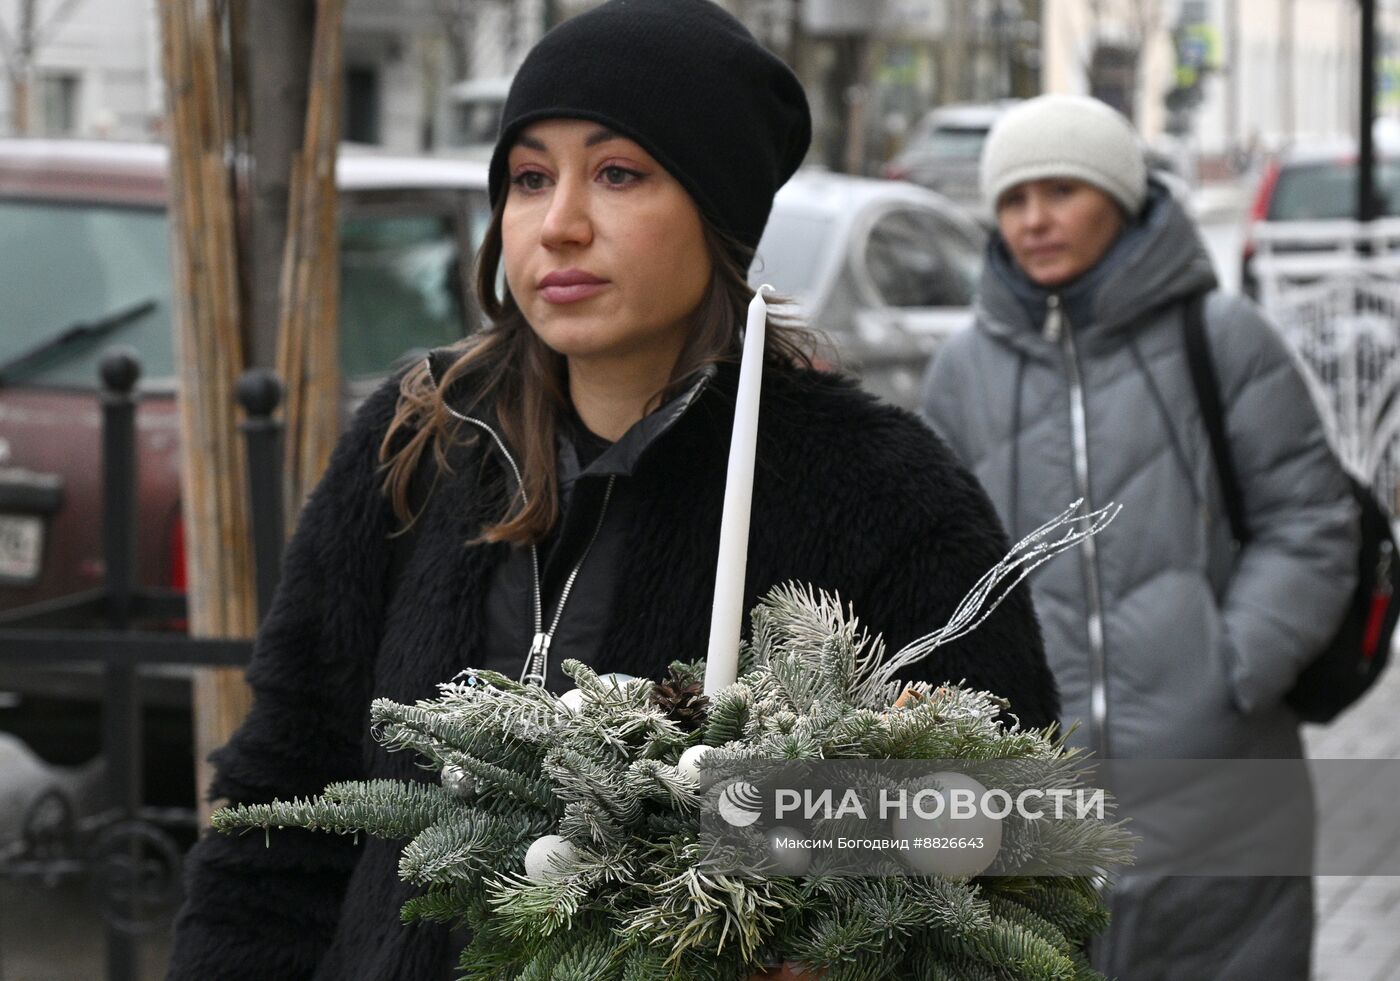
[682, 701]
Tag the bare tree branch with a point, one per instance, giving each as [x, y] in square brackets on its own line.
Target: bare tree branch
[458, 19]
[8, 53]
[55, 20]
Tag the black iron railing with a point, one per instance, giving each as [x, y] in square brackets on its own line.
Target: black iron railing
[127, 852]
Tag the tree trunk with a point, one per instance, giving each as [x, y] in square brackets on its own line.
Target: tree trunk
[224, 223]
[210, 346]
[308, 348]
[275, 52]
[20, 100]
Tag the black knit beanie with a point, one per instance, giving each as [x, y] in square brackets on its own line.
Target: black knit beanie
[686, 81]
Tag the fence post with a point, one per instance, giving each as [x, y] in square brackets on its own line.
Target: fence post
[120, 371]
[260, 393]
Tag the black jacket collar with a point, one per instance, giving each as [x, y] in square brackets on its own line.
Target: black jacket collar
[620, 459]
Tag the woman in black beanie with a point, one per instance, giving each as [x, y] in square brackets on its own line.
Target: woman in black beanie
[552, 486]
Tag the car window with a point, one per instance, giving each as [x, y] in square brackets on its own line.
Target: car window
[1327, 190]
[953, 142]
[400, 289]
[66, 264]
[63, 264]
[791, 252]
[914, 258]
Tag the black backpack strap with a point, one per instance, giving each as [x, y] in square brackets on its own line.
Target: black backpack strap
[1207, 385]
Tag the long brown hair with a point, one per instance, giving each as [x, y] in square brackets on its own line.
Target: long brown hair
[525, 384]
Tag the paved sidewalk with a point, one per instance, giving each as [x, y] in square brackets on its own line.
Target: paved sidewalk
[1358, 929]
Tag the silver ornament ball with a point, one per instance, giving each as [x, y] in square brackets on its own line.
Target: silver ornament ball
[788, 857]
[458, 781]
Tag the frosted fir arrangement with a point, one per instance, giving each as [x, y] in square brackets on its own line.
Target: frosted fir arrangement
[566, 835]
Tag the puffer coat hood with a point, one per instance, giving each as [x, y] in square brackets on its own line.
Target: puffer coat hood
[1157, 260]
[1166, 641]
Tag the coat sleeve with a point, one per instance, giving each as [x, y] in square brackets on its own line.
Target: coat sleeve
[944, 535]
[943, 401]
[1293, 581]
[268, 908]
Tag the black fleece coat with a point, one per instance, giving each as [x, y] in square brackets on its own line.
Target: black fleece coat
[849, 495]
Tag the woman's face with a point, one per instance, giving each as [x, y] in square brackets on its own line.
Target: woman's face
[1057, 228]
[604, 250]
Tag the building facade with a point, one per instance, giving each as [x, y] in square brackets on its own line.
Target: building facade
[871, 67]
[1228, 76]
[94, 71]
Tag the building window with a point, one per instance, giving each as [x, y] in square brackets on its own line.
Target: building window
[361, 104]
[58, 97]
[1113, 77]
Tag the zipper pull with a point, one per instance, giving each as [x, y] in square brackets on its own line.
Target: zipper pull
[535, 660]
[1054, 320]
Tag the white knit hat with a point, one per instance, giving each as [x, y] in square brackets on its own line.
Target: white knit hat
[1065, 136]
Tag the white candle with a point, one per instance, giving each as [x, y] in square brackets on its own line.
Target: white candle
[722, 661]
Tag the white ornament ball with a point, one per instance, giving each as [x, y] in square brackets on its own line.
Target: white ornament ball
[788, 857]
[544, 858]
[689, 763]
[956, 839]
[457, 781]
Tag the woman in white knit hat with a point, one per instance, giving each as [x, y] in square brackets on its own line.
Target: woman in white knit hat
[1165, 640]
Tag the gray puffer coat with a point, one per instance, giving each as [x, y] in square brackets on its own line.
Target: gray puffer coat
[1165, 642]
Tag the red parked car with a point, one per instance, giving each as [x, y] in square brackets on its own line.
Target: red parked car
[1315, 183]
[85, 264]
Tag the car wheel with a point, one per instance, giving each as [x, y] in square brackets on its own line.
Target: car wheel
[135, 876]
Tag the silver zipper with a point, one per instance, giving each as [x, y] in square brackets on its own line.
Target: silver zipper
[1057, 327]
[539, 649]
[537, 660]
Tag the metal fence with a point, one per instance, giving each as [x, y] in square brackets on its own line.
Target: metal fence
[127, 851]
[1333, 290]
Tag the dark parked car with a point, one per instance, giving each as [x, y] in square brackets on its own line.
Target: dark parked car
[85, 264]
[945, 150]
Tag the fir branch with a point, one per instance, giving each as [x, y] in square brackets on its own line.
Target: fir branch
[1013, 912]
[730, 711]
[444, 904]
[586, 820]
[1021, 953]
[691, 672]
[470, 843]
[382, 808]
[577, 776]
[658, 781]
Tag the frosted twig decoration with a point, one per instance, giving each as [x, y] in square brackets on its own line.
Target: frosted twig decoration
[1030, 552]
